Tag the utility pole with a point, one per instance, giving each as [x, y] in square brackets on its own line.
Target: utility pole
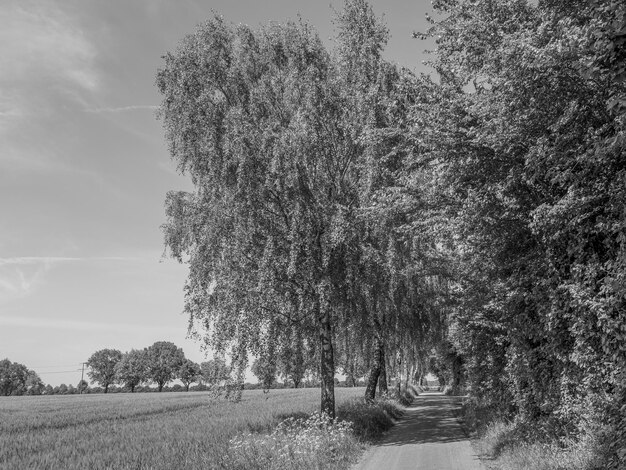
[82, 374]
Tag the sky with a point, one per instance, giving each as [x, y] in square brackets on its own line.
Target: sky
[84, 168]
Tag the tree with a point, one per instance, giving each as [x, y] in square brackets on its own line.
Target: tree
[13, 378]
[82, 386]
[295, 357]
[34, 384]
[102, 367]
[524, 139]
[262, 122]
[164, 360]
[188, 373]
[264, 369]
[215, 371]
[132, 369]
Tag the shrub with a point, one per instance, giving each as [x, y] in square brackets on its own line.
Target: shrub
[369, 420]
[517, 444]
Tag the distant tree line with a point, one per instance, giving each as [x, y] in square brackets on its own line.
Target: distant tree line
[160, 364]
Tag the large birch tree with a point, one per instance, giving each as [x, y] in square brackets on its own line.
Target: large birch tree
[263, 123]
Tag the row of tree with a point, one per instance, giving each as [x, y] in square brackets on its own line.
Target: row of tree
[298, 242]
[350, 212]
[524, 144]
[160, 363]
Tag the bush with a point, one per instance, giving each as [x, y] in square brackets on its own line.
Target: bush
[517, 444]
[369, 420]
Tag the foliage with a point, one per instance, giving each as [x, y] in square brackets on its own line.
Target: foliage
[265, 370]
[273, 132]
[188, 373]
[17, 379]
[369, 419]
[101, 366]
[516, 445]
[164, 360]
[215, 371]
[132, 369]
[524, 139]
[34, 384]
[83, 386]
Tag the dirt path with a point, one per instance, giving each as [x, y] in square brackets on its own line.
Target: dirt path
[428, 437]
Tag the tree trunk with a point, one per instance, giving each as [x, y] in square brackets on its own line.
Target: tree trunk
[350, 380]
[398, 373]
[160, 386]
[132, 389]
[409, 377]
[382, 380]
[375, 370]
[327, 367]
[106, 388]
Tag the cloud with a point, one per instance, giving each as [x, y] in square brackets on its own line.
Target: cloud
[122, 109]
[17, 279]
[46, 43]
[26, 260]
[47, 60]
[48, 260]
[19, 276]
[73, 325]
[47, 67]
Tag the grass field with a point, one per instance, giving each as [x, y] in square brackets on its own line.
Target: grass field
[140, 431]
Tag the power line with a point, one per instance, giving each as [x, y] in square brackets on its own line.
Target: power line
[53, 367]
[58, 372]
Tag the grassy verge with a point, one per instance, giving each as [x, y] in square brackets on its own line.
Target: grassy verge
[313, 441]
[513, 444]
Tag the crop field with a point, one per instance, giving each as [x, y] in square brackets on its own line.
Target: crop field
[140, 431]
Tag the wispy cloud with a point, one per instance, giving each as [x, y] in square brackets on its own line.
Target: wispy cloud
[46, 61]
[24, 260]
[45, 43]
[19, 276]
[123, 109]
[48, 64]
[72, 325]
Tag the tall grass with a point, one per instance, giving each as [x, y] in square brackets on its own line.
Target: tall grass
[315, 441]
[276, 430]
[143, 431]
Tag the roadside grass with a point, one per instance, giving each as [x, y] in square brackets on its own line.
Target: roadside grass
[273, 430]
[516, 445]
[314, 441]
